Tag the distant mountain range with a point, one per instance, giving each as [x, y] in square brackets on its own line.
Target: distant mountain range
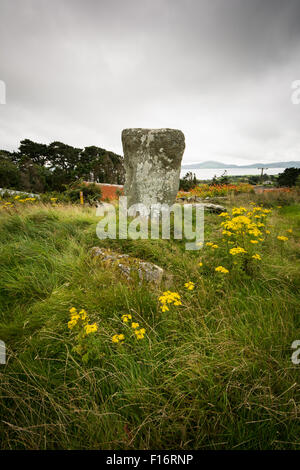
[214, 165]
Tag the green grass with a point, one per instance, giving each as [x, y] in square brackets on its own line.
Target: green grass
[215, 373]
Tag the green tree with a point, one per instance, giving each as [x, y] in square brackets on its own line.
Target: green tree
[51, 167]
[33, 151]
[288, 177]
[9, 174]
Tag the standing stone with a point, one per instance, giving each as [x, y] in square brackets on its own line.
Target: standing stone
[152, 160]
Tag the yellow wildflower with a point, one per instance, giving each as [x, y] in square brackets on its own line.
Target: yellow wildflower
[221, 269]
[189, 285]
[75, 316]
[226, 232]
[256, 256]
[223, 214]
[83, 314]
[140, 333]
[118, 338]
[115, 339]
[239, 224]
[237, 250]
[169, 297]
[91, 328]
[238, 210]
[72, 323]
[126, 317]
[282, 238]
[134, 325]
[139, 336]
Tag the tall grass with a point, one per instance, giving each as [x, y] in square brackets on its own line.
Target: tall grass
[215, 373]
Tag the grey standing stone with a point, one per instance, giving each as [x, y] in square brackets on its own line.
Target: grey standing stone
[152, 160]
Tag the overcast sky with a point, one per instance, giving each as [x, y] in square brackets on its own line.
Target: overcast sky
[80, 71]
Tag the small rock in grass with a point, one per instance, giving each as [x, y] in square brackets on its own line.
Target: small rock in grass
[129, 266]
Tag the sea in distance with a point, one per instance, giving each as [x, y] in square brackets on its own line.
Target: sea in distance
[209, 173]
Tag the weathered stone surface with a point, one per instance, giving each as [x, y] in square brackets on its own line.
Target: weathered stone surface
[214, 208]
[217, 208]
[129, 266]
[152, 160]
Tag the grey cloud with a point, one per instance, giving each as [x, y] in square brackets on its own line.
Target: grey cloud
[80, 71]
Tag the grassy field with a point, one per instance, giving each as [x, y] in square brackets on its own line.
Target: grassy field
[212, 373]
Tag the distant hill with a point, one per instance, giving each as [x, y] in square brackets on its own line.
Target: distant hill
[214, 165]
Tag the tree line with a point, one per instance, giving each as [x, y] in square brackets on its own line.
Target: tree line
[37, 167]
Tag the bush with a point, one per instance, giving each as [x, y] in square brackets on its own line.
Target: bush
[9, 175]
[288, 177]
[91, 193]
[188, 182]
